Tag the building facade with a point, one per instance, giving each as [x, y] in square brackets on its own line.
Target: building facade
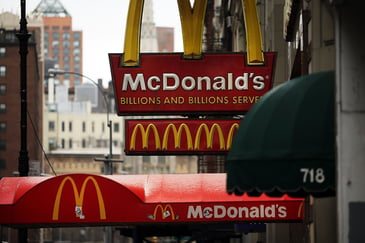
[62, 45]
[10, 104]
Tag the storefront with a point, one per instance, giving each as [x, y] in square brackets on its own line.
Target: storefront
[180, 203]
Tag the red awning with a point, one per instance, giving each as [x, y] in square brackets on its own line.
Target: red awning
[134, 199]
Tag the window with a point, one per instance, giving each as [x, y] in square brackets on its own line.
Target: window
[66, 59]
[66, 44]
[52, 143]
[76, 51]
[62, 127]
[2, 71]
[70, 143]
[2, 127]
[66, 35]
[77, 68]
[76, 43]
[51, 126]
[2, 51]
[83, 143]
[92, 126]
[55, 35]
[83, 126]
[116, 127]
[77, 35]
[70, 126]
[2, 164]
[77, 59]
[2, 89]
[55, 43]
[66, 51]
[62, 143]
[2, 145]
[2, 108]
[55, 51]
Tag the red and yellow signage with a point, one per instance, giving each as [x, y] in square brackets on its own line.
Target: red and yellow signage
[175, 136]
[79, 197]
[86, 199]
[190, 82]
[169, 84]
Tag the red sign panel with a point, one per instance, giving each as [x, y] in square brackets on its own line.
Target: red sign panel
[168, 84]
[129, 199]
[176, 136]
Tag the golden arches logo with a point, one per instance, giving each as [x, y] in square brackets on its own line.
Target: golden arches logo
[165, 212]
[145, 133]
[177, 136]
[192, 26]
[79, 197]
[192, 142]
[209, 133]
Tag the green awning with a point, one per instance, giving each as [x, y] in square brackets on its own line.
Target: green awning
[286, 142]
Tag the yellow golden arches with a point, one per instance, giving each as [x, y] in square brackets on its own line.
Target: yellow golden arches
[231, 133]
[255, 55]
[79, 196]
[209, 133]
[132, 33]
[177, 136]
[145, 134]
[192, 25]
[165, 211]
[214, 133]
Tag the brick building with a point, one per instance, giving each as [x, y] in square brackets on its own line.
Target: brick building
[10, 102]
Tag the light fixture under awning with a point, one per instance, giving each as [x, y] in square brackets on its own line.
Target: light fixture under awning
[286, 142]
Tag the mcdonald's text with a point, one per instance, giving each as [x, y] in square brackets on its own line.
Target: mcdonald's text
[172, 82]
[233, 212]
[169, 84]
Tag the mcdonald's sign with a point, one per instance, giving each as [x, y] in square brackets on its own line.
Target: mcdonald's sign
[190, 82]
[175, 136]
[79, 197]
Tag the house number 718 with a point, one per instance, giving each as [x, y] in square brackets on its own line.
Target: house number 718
[311, 175]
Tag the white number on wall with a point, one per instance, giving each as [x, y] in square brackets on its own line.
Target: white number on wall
[311, 175]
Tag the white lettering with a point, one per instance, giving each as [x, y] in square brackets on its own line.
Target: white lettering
[150, 84]
[172, 81]
[220, 211]
[282, 212]
[270, 212]
[166, 77]
[207, 83]
[232, 212]
[188, 83]
[258, 83]
[195, 213]
[241, 82]
[133, 84]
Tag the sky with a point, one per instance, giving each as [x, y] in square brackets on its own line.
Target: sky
[103, 26]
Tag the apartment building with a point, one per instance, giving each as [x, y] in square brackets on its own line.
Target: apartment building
[10, 104]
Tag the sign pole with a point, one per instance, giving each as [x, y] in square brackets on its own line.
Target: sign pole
[23, 161]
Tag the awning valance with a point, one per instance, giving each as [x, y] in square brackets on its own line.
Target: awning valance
[286, 141]
[86, 199]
